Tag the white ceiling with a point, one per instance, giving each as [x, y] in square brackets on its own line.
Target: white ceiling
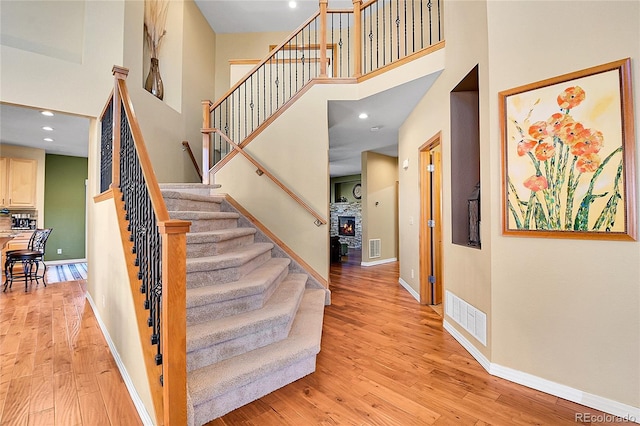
[23, 126]
[348, 135]
[241, 16]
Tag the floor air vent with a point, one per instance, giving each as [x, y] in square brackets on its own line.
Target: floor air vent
[374, 248]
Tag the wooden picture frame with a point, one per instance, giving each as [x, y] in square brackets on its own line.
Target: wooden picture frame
[568, 156]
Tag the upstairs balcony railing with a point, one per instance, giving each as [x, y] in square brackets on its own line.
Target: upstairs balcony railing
[332, 45]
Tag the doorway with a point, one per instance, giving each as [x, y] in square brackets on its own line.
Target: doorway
[431, 273]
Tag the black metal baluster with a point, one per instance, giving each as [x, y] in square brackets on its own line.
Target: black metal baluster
[315, 26]
[277, 86]
[384, 35]
[398, 27]
[405, 28]
[106, 149]
[413, 26]
[377, 36]
[309, 62]
[439, 34]
[283, 84]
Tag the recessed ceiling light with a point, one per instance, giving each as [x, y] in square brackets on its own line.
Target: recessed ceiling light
[47, 128]
[47, 113]
[293, 4]
[48, 140]
[363, 115]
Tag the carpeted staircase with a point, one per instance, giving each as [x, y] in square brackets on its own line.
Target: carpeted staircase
[253, 325]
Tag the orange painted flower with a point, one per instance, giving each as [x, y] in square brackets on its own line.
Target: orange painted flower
[571, 133]
[588, 163]
[589, 142]
[557, 121]
[525, 146]
[544, 151]
[571, 97]
[536, 183]
[538, 130]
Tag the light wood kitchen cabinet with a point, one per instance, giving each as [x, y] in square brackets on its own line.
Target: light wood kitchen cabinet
[18, 180]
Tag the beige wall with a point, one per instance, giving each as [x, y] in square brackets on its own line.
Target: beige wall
[108, 282]
[33, 73]
[564, 311]
[240, 46]
[166, 124]
[467, 270]
[113, 36]
[379, 205]
[295, 149]
[12, 151]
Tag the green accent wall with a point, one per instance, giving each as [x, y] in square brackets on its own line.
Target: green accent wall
[65, 206]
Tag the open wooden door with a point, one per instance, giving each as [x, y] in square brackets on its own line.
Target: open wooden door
[431, 273]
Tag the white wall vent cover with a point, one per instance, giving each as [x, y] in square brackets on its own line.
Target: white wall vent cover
[469, 317]
[374, 248]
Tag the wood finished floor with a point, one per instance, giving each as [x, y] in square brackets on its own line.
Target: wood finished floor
[386, 360]
[55, 366]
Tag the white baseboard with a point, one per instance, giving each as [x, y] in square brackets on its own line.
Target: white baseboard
[65, 261]
[483, 360]
[623, 412]
[410, 289]
[142, 410]
[379, 262]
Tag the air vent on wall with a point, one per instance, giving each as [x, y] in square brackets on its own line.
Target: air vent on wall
[374, 248]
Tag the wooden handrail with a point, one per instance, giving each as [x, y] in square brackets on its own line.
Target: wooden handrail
[323, 37]
[357, 42]
[261, 170]
[193, 159]
[170, 400]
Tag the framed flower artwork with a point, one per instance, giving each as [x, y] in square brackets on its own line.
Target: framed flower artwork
[568, 154]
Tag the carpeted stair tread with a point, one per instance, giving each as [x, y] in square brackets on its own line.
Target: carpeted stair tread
[183, 187]
[167, 193]
[216, 380]
[228, 260]
[254, 282]
[196, 215]
[218, 235]
[278, 311]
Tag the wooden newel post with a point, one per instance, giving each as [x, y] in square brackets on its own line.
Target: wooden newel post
[120, 73]
[357, 38]
[174, 320]
[323, 38]
[206, 140]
